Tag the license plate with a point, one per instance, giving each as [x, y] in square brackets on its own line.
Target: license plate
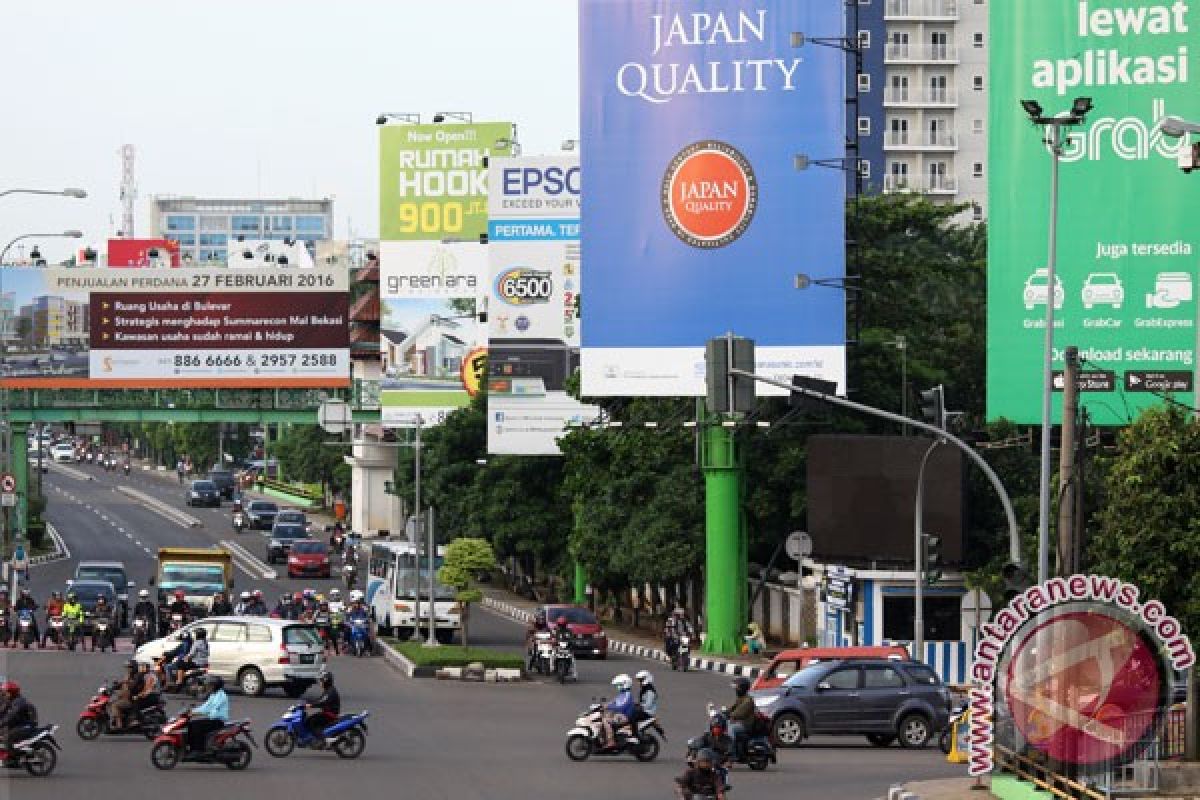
[307, 659]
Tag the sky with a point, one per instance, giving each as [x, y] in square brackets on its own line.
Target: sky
[256, 98]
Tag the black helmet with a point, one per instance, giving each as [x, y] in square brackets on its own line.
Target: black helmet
[326, 679]
[201, 633]
[741, 686]
[706, 755]
[131, 664]
[214, 682]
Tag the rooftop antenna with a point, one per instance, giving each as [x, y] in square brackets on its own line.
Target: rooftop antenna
[128, 192]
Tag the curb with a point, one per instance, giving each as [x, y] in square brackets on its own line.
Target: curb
[164, 510]
[61, 549]
[640, 651]
[395, 660]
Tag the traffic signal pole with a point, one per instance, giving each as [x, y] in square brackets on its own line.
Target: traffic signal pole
[919, 558]
[723, 547]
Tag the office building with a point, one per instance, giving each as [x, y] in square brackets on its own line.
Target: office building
[55, 322]
[204, 227]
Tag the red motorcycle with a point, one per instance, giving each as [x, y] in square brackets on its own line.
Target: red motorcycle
[225, 746]
[94, 720]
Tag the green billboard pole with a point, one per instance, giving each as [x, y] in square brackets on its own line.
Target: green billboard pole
[580, 585]
[724, 568]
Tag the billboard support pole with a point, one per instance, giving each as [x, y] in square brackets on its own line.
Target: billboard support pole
[1066, 463]
[1014, 534]
[580, 584]
[722, 514]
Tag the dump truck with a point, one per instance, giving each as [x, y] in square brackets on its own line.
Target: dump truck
[199, 572]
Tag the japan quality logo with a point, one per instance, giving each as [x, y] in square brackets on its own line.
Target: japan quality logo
[709, 194]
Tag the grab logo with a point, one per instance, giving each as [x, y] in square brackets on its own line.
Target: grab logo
[709, 194]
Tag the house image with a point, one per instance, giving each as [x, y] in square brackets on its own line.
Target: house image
[432, 350]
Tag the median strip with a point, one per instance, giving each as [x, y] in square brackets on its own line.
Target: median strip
[161, 508]
[242, 558]
[71, 473]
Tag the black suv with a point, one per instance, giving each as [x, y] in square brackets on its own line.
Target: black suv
[260, 514]
[884, 700]
[203, 493]
[224, 481]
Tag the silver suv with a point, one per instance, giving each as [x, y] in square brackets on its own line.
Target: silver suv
[254, 652]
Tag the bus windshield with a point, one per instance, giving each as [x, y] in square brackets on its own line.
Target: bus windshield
[408, 587]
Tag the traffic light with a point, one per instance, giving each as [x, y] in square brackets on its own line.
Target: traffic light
[720, 356]
[931, 557]
[933, 406]
[1016, 580]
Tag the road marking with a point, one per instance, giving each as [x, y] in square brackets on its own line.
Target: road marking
[130, 536]
[162, 509]
[139, 544]
[122, 530]
[243, 558]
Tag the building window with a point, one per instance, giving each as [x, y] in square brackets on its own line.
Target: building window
[864, 40]
[184, 239]
[977, 169]
[977, 83]
[214, 223]
[213, 239]
[280, 223]
[864, 126]
[976, 212]
[212, 254]
[864, 82]
[943, 618]
[180, 223]
[243, 224]
[864, 168]
[977, 125]
[310, 224]
[977, 39]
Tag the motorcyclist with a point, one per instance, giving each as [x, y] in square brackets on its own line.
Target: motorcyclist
[148, 689]
[539, 624]
[296, 607]
[146, 609]
[20, 719]
[337, 539]
[122, 697]
[221, 607]
[103, 611]
[702, 779]
[326, 709]
[258, 607]
[179, 605]
[25, 602]
[647, 693]
[677, 625]
[245, 601]
[562, 633]
[196, 657]
[741, 714]
[73, 612]
[171, 659]
[54, 608]
[324, 622]
[717, 738]
[210, 716]
[619, 710]
[358, 611]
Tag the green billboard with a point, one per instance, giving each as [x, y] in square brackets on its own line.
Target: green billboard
[1125, 290]
[433, 179]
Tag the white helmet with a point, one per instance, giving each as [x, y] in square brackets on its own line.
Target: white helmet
[644, 677]
[355, 596]
[245, 596]
[144, 594]
[622, 682]
[335, 593]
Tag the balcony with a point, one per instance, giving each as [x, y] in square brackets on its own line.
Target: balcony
[921, 184]
[921, 10]
[932, 142]
[900, 53]
[920, 98]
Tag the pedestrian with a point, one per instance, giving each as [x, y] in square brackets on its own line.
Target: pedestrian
[179, 470]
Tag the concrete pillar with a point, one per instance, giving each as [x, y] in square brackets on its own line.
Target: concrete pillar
[372, 508]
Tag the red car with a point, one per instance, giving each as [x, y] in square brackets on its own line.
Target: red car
[587, 637]
[308, 558]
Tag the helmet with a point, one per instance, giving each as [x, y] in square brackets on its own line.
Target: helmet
[24, 593]
[72, 596]
[741, 686]
[356, 596]
[297, 597]
[622, 682]
[308, 593]
[101, 599]
[561, 622]
[258, 594]
[244, 596]
[218, 594]
[644, 677]
[679, 612]
[335, 594]
[11, 688]
[706, 755]
[56, 593]
[718, 724]
[179, 595]
[201, 633]
[214, 681]
[285, 598]
[144, 594]
[131, 664]
[326, 679]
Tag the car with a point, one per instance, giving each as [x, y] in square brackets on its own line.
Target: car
[883, 700]
[63, 453]
[587, 636]
[224, 480]
[283, 535]
[788, 662]
[1104, 289]
[292, 516]
[308, 559]
[113, 572]
[203, 493]
[88, 592]
[1036, 293]
[253, 653]
[260, 514]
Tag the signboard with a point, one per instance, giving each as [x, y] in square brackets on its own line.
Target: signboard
[798, 545]
[695, 220]
[839, 592]
[203, 327]
[143, 253]
[533, 303]
[1127, 242]
[8, 500]
[8, 482]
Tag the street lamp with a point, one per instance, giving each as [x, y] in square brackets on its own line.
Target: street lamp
[77, 193]
[63, 235]
[901, 344]
[406, 117]
[1053, 126]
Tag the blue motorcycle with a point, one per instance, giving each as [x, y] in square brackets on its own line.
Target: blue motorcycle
[347, 737]
[358, 637]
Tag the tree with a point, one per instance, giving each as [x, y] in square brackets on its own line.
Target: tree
[1148, 532]
[465, 559]
[305, 457]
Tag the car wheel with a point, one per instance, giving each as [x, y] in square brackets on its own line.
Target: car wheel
[880, 739]
[251, 682]
[914, 731]
[788, 729]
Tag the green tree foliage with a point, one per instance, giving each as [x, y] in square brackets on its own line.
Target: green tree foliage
[466, 558]
[304, 457]
[1149, 530]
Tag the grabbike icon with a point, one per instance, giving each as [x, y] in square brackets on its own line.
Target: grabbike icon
[1078, 669]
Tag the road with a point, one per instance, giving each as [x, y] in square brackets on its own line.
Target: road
[431, 739]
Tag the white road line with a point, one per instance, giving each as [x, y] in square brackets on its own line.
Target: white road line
[122, 530]
[129, 536]
[139, 544]
[247, 563]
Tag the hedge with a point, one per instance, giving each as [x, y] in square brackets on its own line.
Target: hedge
[456, 655]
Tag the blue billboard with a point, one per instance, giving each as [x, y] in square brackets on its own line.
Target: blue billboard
[696, 221]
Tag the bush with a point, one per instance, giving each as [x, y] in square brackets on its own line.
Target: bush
[36, 531]
[456, 656]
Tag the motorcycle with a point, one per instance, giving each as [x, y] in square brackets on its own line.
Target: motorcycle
[126, 469]
[541, 653]
[564, 660]
[141, 631]
[6, 631]
[756, 753]
[323, 621]
[683, 652]
[74, 633]
[94, 720]
[239, 522]
[358, 637]
[176, 623]
[639, 739]
[958, 716]
[347, 737]
[226, 746]
[103, 635]
[55, 631]
[191, 685]
[36, 755]
[350, 575]
[25, 633]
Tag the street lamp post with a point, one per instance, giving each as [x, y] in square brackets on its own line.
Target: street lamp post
[1054, 127]
[77, 193]
[1177, 128]
[63, 235]
[901, 344]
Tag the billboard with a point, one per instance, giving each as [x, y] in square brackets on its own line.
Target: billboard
[93, 328]
[1124, 291]
[533, 303]
[143, 253]
[696, 221]
[250, 253]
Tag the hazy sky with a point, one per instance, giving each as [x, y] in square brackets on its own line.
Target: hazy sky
[256, 97]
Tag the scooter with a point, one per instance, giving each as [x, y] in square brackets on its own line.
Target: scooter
[74, 633]
[25, 634]
[126, 468]
[358, 637]
[757, 751]
[350, 575]
[541, 655]
[564, 660]
[683, 653]
[94, 720]
[36, 755]
[347, 737]
[141, 631]
[639, 739]
[960, 715]
[56, 631]
[6, 631]
[226, 746]
[239, 522]
[103, 635]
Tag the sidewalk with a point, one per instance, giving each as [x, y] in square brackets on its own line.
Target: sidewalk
[948, 789]
[626, 640]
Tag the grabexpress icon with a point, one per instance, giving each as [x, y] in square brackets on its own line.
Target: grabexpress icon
[1170, 289]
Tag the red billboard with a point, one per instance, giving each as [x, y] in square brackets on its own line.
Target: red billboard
[143, 253]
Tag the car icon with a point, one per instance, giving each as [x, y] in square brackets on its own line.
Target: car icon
[1035, 290]
[1103, 289]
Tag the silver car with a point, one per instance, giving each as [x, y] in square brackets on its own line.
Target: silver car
[254, 653]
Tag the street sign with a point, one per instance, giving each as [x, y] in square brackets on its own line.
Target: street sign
[8, 500]
[976, 600]
[334, 416]
[798, 545]
[8, 483]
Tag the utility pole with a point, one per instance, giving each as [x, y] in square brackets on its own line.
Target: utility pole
[1066, 463]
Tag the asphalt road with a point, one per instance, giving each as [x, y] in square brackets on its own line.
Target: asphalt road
[428, 739]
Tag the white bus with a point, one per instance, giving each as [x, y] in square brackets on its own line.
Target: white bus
[397, 591]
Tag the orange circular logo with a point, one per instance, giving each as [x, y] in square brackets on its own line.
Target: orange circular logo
[709, 194]
[474, 367]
